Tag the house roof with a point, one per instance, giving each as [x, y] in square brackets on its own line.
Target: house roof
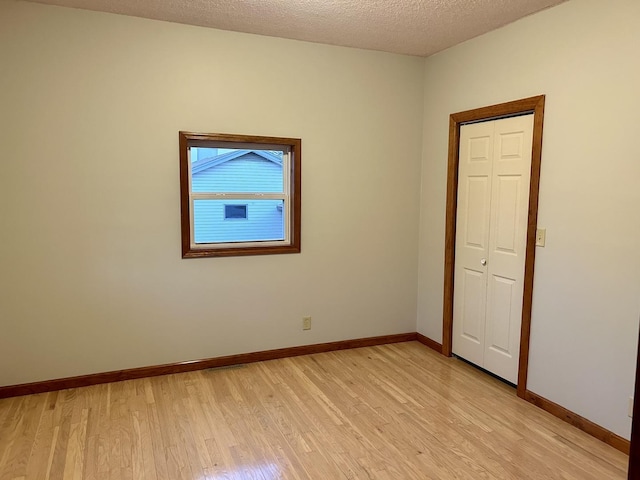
[206, 163]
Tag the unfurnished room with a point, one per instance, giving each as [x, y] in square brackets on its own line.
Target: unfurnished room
[319, 240]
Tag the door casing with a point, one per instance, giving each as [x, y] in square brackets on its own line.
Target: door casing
[533, 105]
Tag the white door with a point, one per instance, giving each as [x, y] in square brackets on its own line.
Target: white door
[491, 229]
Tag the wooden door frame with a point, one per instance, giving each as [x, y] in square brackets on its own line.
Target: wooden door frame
[634, 448]
[533, 105]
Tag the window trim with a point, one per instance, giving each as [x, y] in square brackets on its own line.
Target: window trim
[292, 189]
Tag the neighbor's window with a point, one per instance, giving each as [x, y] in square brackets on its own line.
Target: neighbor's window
[235, 211]
[240, 195]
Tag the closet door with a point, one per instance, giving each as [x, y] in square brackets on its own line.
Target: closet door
[507, 244]
[472, 240]
[493, 198]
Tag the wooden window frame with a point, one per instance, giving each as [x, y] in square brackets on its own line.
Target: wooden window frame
[292, 190]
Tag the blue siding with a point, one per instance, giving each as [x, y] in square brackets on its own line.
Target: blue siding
[265, 221]
[247, 174]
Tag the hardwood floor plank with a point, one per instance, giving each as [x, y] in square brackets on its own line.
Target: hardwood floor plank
[398, 411]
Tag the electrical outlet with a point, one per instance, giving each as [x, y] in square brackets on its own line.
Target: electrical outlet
[630, 413]
[306, 323]
[541, 235]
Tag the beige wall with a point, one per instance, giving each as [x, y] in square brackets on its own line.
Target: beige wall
[91, 276]
[584, 56]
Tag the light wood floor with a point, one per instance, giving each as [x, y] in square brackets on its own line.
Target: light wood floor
[392, 412]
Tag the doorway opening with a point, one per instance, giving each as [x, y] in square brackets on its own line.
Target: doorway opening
[532, 105]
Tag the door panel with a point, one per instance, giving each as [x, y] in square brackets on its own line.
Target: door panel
[511, 143]
[480, 147]
[507, 244]
[491, 227]
[507, 201]
[502, 293]
[477, 206]
[474, 306]
[472, 241]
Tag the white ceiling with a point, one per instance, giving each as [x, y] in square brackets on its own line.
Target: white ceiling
[414, 27]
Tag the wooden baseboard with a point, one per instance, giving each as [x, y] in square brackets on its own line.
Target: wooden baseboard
[153, 371]
[577, 421]
[429, 343]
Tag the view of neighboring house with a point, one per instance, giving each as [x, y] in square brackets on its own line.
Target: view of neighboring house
[237, 172]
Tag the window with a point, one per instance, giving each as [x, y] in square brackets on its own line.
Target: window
[235, 212]
[240, 195]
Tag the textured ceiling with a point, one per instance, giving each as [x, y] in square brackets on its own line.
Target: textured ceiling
[414, 27]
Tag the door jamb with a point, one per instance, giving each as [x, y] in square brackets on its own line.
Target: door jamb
[634, 447]
[533, 105]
